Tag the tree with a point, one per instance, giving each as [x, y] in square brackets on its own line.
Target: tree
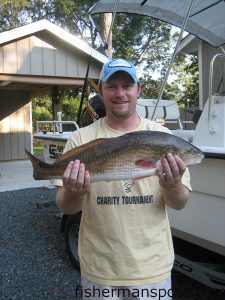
[13, 13]
[41, 110]
[141, 39]
[106, 26]
[188, 79]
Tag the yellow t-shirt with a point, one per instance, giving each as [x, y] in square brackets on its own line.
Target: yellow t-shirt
[125, 236]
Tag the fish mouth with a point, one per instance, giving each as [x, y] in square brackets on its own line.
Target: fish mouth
[198, 159]
[201, 157]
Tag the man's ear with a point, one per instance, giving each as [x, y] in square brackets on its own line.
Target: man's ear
[139, 89]
[100, 89]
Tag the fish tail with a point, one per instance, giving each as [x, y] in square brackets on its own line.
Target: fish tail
[38, 166]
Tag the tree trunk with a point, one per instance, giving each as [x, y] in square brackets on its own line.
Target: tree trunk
[106, 24]
[57, 97]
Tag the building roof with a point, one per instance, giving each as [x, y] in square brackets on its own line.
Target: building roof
[44, 25]
[40, 59]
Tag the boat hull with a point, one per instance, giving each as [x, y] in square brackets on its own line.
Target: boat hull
[202, 221]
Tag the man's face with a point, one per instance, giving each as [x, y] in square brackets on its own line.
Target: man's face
[120, 95]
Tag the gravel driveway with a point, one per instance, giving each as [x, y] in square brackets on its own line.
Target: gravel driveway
[34, 264]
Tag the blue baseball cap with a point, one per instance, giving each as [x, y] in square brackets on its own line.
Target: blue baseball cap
[115, 65]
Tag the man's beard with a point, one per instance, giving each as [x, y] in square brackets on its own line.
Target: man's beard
[123, 113]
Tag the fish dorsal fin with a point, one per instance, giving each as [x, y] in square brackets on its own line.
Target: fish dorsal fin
[77, 150]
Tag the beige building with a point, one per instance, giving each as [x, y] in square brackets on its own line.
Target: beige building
[35, 60]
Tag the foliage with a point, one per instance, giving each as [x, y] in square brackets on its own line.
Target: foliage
[188, 78]
[41, 113]
[141, 39]
[42, 102]
[144, 40]
[172, 92]
[150, 87]
[41, 110]
[13, 13]
[70, 107]
[42, 106]
[73, 15]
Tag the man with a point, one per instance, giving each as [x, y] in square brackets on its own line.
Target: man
[125, 246]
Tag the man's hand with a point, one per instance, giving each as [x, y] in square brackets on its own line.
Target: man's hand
[76, 179]
[170, 173]
[76, 184]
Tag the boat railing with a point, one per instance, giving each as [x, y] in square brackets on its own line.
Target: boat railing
[53, 126]
[210, 130]
[211, 114]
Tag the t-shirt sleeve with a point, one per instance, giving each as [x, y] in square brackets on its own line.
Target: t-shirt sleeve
[186, 180]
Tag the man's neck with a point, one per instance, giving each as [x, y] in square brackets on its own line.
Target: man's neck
[123, 125]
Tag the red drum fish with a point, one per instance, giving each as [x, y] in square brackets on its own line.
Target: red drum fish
[133, 155]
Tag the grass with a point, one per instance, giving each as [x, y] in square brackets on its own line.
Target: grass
[38, 150]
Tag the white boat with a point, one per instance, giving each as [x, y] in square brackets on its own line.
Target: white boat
[201, 223]
[53, 136]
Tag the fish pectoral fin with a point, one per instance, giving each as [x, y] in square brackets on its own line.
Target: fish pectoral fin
[147, 163]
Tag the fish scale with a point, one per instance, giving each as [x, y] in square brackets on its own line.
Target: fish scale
[122, 174]
[130, 156]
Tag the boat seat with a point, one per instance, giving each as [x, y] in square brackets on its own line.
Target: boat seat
[168, 110]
